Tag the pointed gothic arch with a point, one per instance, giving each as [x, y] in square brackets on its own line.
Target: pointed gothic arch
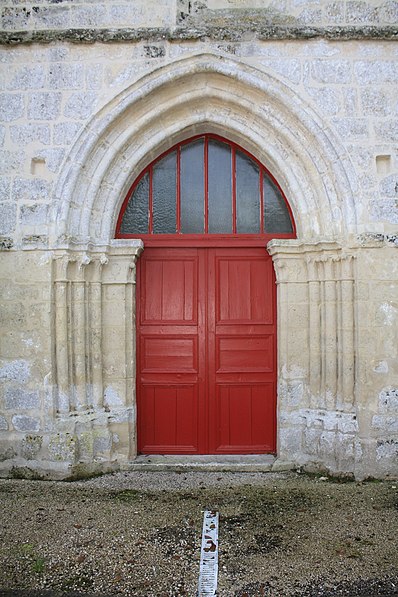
[199, 94]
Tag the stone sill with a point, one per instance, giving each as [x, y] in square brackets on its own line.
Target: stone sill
[208, 463]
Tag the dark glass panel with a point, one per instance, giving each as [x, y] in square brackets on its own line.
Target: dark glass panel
[220, 187]
[192, 187]
[276, 213]
[135, 218]
[164, 194]
[247, 195]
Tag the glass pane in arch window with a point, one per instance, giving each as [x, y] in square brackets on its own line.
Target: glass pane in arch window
[135, 218]
[276, 214]
[192, 187]
[219, 187]
[247, 195]
[164, 194]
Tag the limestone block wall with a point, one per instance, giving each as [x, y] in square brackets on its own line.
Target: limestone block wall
[377, 355]
[90, 93]
[25, 352]
[80, 14]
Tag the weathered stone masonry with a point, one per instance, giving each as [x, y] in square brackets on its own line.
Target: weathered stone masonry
[91, 93]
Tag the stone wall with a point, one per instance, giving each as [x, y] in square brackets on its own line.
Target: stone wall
[90, 93]
[198, 15]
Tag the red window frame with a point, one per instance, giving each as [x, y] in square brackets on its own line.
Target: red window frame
[204, 239]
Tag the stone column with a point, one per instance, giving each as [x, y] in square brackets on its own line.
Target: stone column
[329, 336]
[94, 315]
[347, 306]
[61, 344]
[80, 333]
[314, 323]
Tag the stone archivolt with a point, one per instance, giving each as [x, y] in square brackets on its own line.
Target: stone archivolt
[223, 96]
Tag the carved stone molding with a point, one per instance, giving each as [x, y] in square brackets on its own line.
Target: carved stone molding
[321, 277]
[82, 312]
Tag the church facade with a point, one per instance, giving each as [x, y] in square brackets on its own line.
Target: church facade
[199, 234]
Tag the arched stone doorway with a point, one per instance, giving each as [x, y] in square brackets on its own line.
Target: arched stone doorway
[95, 375]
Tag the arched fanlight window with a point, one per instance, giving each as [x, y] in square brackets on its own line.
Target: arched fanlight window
[205, 185]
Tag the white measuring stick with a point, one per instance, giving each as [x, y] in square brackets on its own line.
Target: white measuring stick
[209, 555]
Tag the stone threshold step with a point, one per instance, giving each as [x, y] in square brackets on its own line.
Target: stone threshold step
[216, 463]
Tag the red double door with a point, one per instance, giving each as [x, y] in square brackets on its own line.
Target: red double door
[206, 343]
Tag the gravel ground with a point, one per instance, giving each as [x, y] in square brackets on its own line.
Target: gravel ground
[139, 534]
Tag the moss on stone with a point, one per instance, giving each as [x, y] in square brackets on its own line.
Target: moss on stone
[24, 472]
[6, 243]
[218, 31]
[62, 447]
[89, 470]
[31, 446]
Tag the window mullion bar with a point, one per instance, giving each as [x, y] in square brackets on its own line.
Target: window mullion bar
[178, 194]
[206, 181]
[233, 190]
[261, 201]
[150, 219]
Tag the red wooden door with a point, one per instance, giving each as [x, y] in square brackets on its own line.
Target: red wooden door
[241, 351]
[170, 332]
[206, 330]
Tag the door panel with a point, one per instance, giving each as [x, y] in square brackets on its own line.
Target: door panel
[168, 354]
[245, 354]
[249, 274]
[206, 375]
[171, 411]
[169, 288]
[244, 413]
